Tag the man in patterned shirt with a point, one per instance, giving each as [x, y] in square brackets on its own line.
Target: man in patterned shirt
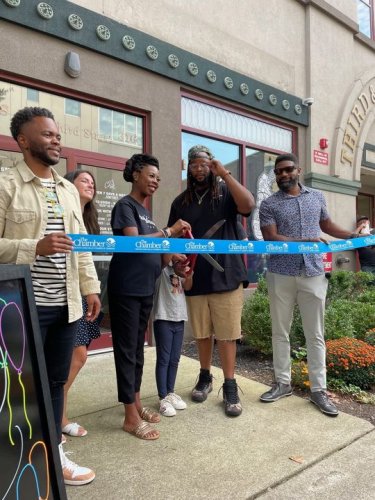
[297, 213]
[37, 210]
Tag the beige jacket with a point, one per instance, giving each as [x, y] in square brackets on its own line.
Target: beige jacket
[23, 220]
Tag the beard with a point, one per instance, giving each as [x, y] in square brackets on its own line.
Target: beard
[43, 156]
[286, 186]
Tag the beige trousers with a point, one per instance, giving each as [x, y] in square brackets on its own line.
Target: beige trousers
[310, 294]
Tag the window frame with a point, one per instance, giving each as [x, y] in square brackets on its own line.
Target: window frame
[370, 5]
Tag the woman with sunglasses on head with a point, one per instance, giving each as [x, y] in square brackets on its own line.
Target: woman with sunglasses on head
[131, 285]
[87, 330]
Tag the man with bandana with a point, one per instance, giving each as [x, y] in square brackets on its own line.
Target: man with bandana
[216, 298]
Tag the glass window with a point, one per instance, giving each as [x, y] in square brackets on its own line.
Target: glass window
[227, 153]
[118, 127]
[96, 139]
[232, 125]
[364, 12]
[32, 95]
[365, 206]
[120, 130]
[110, 187]
[8, 159]
[105, 124]
[72, 107]
[261, 182]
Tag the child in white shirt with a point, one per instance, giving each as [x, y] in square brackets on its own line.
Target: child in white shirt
[169, 316]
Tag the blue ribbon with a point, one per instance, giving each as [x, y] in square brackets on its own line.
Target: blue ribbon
[140, 244]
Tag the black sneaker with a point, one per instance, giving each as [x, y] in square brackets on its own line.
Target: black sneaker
[325, 405]
[276, 392]
[203, 387]
[232, 403]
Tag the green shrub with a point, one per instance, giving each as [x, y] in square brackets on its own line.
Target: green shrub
[256, 322]
[338, 320]
[363, 317]
[347, 284]
[338, 385]
[367, 296]
[370, 337]
[297, 337]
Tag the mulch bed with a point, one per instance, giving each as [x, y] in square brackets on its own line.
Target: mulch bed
[255, 366]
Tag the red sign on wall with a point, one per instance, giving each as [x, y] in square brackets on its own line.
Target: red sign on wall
[327, 261]
[320, 157]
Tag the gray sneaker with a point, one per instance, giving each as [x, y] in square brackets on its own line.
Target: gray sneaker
[277, 392]
[203, 387]
[232, 403]
[325, 405]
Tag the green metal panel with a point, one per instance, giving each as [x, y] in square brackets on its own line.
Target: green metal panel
[332, 184]
[228, 83]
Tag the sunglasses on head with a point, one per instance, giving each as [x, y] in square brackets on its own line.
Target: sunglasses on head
[288, 170]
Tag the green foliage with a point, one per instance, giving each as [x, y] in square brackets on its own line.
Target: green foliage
[370, 337]
[338, 385]
[347, 284]
[367, 296]
[338, 320]
[256, 322]
[297, 337]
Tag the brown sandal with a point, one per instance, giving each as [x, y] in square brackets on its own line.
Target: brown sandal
[149, 415]
[143, 431]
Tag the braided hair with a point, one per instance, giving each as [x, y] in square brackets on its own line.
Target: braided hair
[136, 163]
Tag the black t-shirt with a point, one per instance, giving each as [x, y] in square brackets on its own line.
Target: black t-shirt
[367, 256]
[201, 217]
[130, 273]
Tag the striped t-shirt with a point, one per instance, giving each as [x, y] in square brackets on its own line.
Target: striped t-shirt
[48, 272]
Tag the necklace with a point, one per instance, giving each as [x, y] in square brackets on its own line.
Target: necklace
[50, 195]
[200, 198]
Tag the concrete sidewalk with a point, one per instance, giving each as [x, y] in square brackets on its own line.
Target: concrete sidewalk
[202, 454]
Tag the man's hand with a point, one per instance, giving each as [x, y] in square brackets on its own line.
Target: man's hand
[217, 168]
[93, 307]
[54, 243]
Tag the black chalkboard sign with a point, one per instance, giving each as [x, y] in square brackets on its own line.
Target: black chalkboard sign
[29, 459]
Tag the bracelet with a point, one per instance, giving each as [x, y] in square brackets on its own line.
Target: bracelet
[166, 232]
[228, 172]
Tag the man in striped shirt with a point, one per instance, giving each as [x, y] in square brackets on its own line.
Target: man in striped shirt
[37, 210]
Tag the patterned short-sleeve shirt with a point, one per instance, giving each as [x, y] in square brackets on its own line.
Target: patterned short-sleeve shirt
[295, 217]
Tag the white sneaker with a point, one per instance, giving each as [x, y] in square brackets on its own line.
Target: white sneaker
[166, 408]
[73, 474]
[176, 401]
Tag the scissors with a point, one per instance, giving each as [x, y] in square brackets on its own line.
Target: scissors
[208, 234]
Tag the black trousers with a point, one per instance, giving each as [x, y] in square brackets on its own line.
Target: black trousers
[129, 319]
[58, 336]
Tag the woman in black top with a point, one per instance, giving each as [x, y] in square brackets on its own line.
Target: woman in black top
[131, 283]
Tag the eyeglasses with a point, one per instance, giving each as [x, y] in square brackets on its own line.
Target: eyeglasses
[195, 166]
[288, 170]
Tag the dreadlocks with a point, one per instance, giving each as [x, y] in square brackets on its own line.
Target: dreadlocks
[213, 184]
